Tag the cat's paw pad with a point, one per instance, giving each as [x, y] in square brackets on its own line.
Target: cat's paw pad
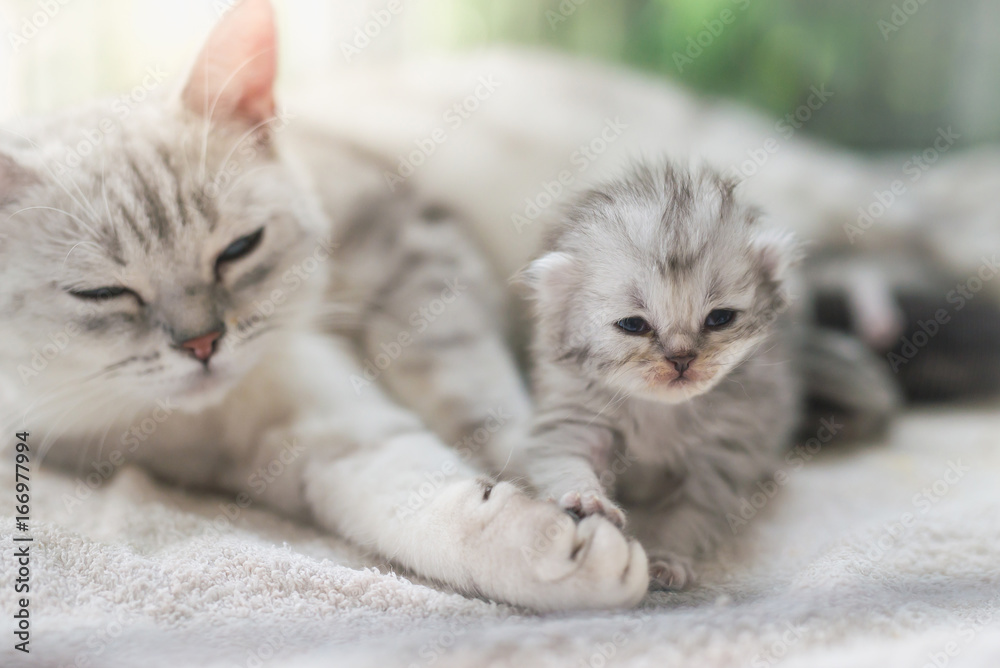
[670, 573]
[592, 503]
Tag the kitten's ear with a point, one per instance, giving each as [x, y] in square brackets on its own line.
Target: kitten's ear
[551, 277]
[233, 77]
[778, 252]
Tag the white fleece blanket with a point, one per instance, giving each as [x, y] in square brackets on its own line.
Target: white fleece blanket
[884, 555]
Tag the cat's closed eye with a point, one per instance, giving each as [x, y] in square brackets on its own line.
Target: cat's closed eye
[105, 294]
[240, 248]
[634, 325]
[719, 318]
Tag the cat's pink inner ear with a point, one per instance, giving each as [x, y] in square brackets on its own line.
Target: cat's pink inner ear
[233, 77]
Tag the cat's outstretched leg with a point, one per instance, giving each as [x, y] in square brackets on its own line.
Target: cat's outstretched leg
[409, 498]
[371, 471]
[433, 331]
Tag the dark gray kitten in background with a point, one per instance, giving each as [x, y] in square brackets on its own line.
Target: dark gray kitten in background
[671, 366]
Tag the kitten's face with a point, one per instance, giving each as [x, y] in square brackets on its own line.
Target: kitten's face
[154, 270]
[661, 294]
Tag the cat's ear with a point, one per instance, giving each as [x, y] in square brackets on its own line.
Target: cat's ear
[14, 178]
[233, 77]
[777, 252]
[551, 277]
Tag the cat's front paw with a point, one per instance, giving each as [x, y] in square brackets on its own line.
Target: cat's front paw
[670, 573]
[532, 553]
[592, 503]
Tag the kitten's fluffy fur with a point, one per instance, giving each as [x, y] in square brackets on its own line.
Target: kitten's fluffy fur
[616, 419]
[346, 428]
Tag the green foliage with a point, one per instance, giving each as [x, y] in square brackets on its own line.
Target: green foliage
[892, 83]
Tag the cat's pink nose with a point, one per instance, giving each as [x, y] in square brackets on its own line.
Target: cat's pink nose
[202, 347]
[681, 362]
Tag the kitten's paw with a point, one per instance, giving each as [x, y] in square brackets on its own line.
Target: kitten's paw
[592, 503]
[670, 572]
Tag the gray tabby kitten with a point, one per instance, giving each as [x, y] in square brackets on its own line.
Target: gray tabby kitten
[158, 306]
[666, 354]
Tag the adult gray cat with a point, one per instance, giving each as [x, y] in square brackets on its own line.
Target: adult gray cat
[671, 363]
[158, 303]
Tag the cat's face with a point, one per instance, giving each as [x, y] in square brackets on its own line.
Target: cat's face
[151, 257]
[150, 278]
[660, 286]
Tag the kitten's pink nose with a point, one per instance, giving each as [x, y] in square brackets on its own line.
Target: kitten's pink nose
[681, 361]
[202, 347]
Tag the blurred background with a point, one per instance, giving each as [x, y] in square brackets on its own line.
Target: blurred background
[899, 69]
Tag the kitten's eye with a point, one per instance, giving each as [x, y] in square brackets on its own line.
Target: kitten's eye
[103, 294]
[720, 318]
[634, 326]
[240, 248]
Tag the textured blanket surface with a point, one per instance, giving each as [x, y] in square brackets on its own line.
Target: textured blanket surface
[881, 555]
